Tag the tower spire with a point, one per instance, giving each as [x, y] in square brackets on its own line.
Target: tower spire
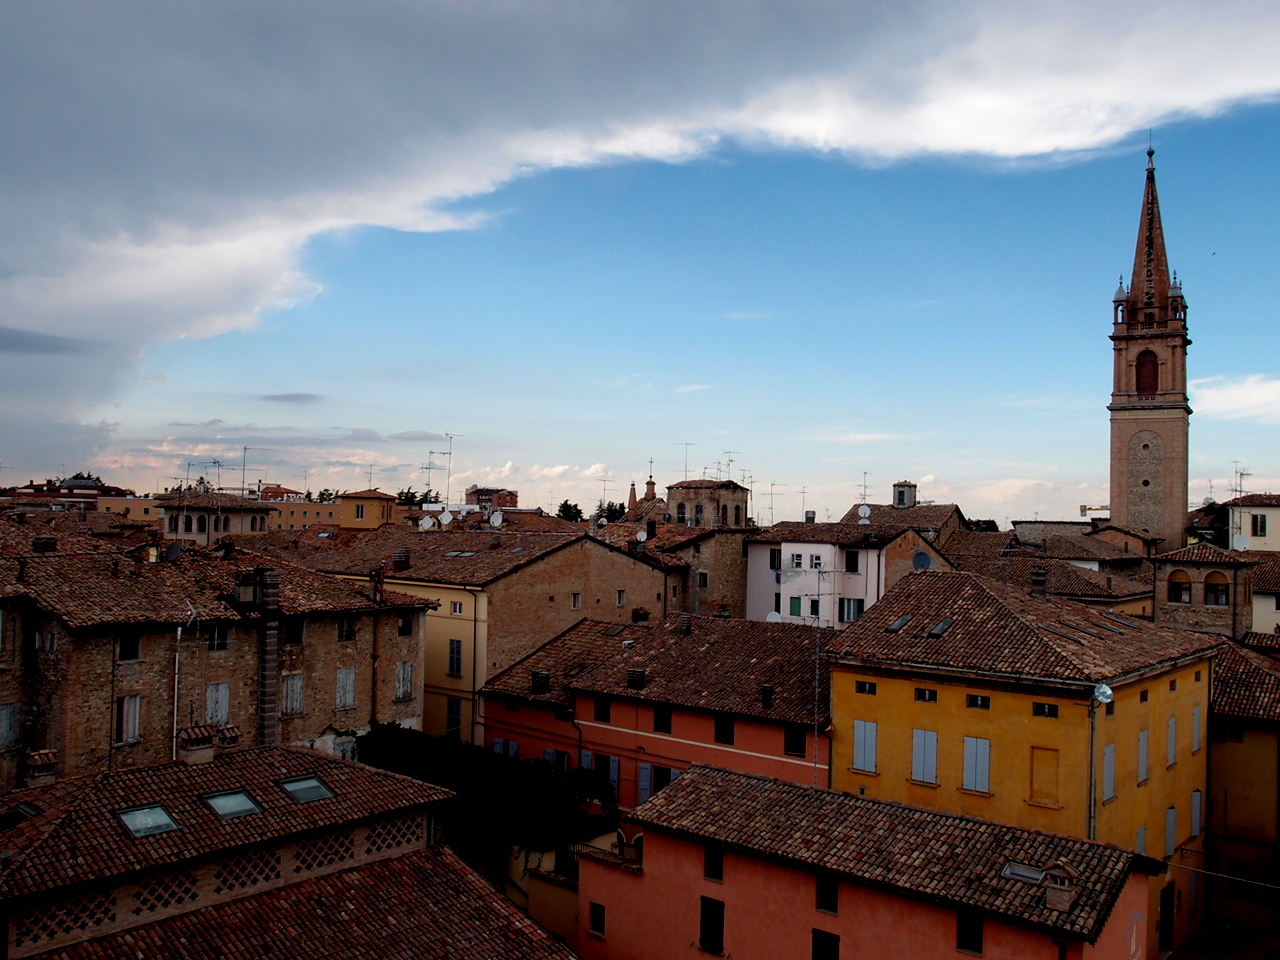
[1149, 289]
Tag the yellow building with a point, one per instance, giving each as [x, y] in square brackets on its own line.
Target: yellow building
[966, 695]
[366, 509]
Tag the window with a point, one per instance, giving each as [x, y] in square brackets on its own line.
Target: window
[1140, 842]
[405, 629]
[291, 631]
[455, 607]
[977, 701]
[1217, 590]
[217, 704]
[813, 606]
[291, 695]
[826, 946]
[455, 658]
[452, 717]
[815, 561]
[202, 524]
[864, 745]
[661, 719]
[898, 624]
[775, 558]
[724, 729]
[359, 511]
[622, 598]
[941, 627]
[1044, 710]
[851, 561]
[1143, 743]
[219, 636]
[702, 579]
[865, 686]
[145, 821]
[1258, 524]
[1173, 685]
[925, 695]
[575, 601]
[924, 756]
[1179, 587]
[129, 718]
[232, 804]
[713, 861]
[969, 931]
[603, 710]
[10, 725]
[795, 739]
[346, 694]
[1143, 696]
[173, 523]
[1147, 370]
[404, 680]
[347, 629]
[595, 919]
[187, 524]
[797, 561]
[1170, 831]
[977, 764]
[129, 647]
[1195, 729]
[827, 893]
[307, 789]
[680, 513]
[711, 925]
[777, 603]
[850, 609]
[1173, 741]
[1196, 826]
[795, 606]
[1109, 772]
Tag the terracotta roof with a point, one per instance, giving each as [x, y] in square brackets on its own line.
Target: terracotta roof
[923, 516]
[1246, 683]
[706, 485]
[842, 534]
[721, 666]
[370, 494]
[1204, 553]
[939, 857]
[1255, 500]
[211, 501]
[1065, 579]
[1082, 546]
[97, 589]
[1266, 575]
[974, 543]
[1001, 630]
[78, 837]
[1268, 643]
[16, 538]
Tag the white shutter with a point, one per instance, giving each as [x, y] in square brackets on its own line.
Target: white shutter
[1109, 771]
[864, 745]
[291, 694]
[1141, 846]
[1195, 728]
[614, 768]
[404, 680]
[499, 745]
[1170, 831]
[1173, 740]
[646, 782]
[513, 748]
[346, 687]
[977, 764]
[10, 725]
[217, 703]
[1142, 756]
[1195, 812]
[587, 760]
[924, 756]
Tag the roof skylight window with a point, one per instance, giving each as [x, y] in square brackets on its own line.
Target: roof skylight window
[1020, 871]
[307, 789]
[147, 821]
[452, 553]
[942, 626]
[898, 624]
[19, 814]
[232, 804]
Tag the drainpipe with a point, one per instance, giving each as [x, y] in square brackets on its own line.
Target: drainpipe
[1235, 607]
[475, 640]
[1090, 834]
[177, 652]
[373, 672]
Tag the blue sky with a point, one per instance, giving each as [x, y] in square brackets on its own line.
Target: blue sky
[735, 263]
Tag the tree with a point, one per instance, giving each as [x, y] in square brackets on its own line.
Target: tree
[327, 496]
[569, 511]
[609, 512]
[407, 497]
[429, 496]
[82, 476]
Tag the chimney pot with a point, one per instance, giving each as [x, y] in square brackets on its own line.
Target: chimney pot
[541, 681]
[686, 624]
[635, 678]
[810, 516]
[1039, 582]
[766, 696]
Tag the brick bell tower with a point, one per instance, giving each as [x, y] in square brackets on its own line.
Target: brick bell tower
[1149, 409]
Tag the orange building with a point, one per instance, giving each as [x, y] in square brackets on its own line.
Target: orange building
[750, 867]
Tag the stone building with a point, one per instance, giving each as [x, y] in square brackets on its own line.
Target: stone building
[708, 503]
[205, 518]
[1205, 588]
[1149, 407]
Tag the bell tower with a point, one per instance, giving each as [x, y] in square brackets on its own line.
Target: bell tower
[1149, 409]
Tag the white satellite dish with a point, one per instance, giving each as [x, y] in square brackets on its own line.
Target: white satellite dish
[495, 518]
[864, 514]
[446, 518]
[641, 537]
[774, 617]
[1102, 693]
[425, 523]
[1241, 542]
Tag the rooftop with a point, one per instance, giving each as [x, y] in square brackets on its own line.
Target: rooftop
[923, 516]
[210, 501]
[1064, 579]
[1205, 553]
[1255, 500]
[842, 534]
[1246, 683]
[940, 857]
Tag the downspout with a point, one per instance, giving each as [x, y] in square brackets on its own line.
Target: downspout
[1091, 833]
[373, 673]
[177, 652]
[475, 641]
[1235, 606]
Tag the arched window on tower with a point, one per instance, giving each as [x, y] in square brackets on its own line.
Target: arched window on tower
[1148, 370]
[1217, 590]
[202, 524]
[680, 515]
[1179, 587]
[187, 523]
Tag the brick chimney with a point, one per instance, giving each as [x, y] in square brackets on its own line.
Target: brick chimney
[196, 743]
[42, 767]
[1039, 582]
[268, 585]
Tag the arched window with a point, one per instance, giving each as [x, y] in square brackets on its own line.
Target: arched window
[737, 514]
[173, 523]
[1179, 587]
[186, 523]
[1217, 591]
[1148, 368]
[697, 514]
[680, 513]
[724, 516]
[202, 524]
[253, 524]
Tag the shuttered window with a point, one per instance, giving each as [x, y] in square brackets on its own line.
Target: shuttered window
[10, 725]
[1044, 776]
[1170, 831]
[1195, 729]
[346, 688]
[1173, 740]
[1143, 772]
[291, 694]
[1109, 772]
[404, 680]
[977, 764]
[1196, 798]
[864, 745]
[646, 783]
[924, 756]
[217, 703]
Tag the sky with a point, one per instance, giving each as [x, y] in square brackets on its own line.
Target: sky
[811, 246]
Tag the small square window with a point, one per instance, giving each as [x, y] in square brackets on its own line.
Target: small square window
[595, 920]
[926, 695]
[702, 579]
[575, 601]
[797, 561]
[813, 606]
[1197, 676]
[1173, 685]
[1143, 695]
[795, 739]
[219, 636]
[724, 729]
[622, 598]
[1111, 709]
[405, 628]
[865, 686]
[603, 710]
[455, 607]
[232, 804]
[827, 898]
[146, 821]
[977, 701]
[129, 647]
[1044, 709]
[713, 862]
[307, 789]
[815, 561]
[661, 719]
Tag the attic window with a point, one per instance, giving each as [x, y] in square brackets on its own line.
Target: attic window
[324, 535]
[1020, 871]
[306, 789]
[898, 624]
[516, 549]
[452, 553]
[574, 671]
[616, 629]
[145, 821]
[232, 804]
[942, 626]
[19, 814]
[466, 553]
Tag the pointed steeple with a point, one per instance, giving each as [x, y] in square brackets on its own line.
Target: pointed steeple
[631, 500]
[1149, 288]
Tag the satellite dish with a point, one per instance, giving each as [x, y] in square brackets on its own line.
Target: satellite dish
[864, 514]
[1241, 542]
[774, 617]
[922, 561]
[641, 537]
[446, 518]
[1102, 693]
[603, 521]
[425, 523]
[495, 518]
[172, 552]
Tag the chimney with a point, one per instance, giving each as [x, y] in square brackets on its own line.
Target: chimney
[592, 527]
[495, 542]
[904, 494]
[686, 625]
[649, 492]
[635, 678]
[44, 545]
[195, 743]
[42, 767]
[269, 664]
[766, 696]
[541, 681]
[1039, 582]
[228, 737]
[810, 516]
[631, 499]
[400, 560]
[1059, 885]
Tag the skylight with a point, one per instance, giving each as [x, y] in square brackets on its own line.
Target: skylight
[898, 624]
[1020, 871]
[233, 803]
[19, 814]
[942, 626]
[306, 789]
[146, 821]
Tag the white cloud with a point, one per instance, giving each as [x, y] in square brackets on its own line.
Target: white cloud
[692, 388]
[853, 439]
[1254, 397]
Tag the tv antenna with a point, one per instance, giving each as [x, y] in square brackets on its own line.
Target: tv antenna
[865, 474]
[686, 455]
[448, 476]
